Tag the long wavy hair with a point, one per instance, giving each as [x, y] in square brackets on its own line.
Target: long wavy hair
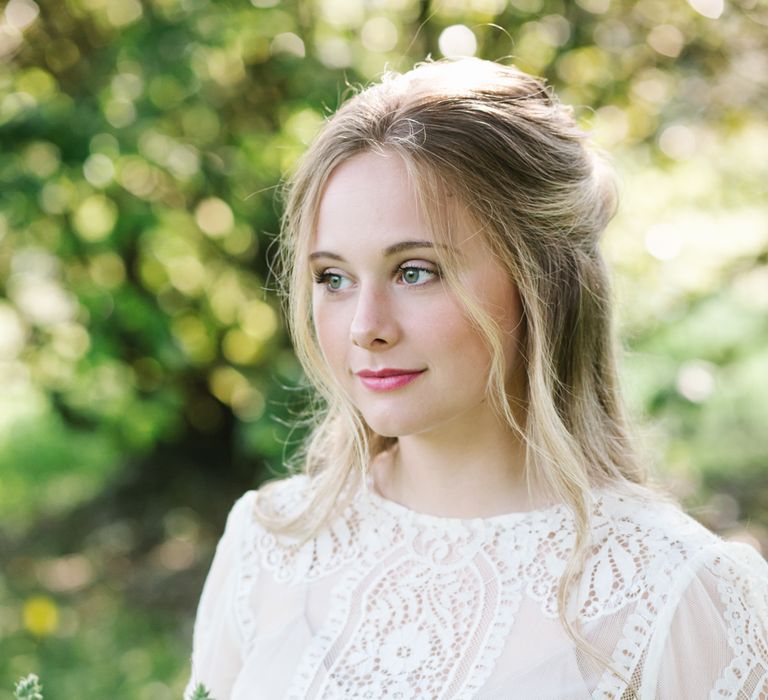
[496, 143]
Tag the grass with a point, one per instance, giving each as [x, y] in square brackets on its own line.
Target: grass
[29, 688]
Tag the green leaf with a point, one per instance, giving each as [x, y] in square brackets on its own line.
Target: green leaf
[201, 693]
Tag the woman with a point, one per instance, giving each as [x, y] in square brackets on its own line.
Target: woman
[470, 519]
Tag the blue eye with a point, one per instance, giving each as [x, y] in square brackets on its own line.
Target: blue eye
[411, 274]
[331, 280]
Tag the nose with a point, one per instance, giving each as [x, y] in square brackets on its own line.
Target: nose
[373, 324]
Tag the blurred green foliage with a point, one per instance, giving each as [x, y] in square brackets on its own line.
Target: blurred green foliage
[146, 372]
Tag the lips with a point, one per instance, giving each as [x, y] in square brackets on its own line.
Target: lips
[388, 379]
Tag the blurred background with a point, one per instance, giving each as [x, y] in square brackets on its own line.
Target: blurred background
[145, 375]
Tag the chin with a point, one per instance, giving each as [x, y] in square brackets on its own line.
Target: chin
[396, 426]
[388, 425]
[387, 429]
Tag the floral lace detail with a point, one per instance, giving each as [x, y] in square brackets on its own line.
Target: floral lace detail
[746, 614]
[291, 562]
[425, 605]
[401, 608]
[644, 557]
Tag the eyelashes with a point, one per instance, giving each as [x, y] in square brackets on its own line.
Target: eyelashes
[324, 277]
[418, 269]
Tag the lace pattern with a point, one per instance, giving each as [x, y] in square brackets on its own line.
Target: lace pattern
[746, 612]
[425, 605]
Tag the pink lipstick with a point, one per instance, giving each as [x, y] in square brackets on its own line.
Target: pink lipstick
[387, 379]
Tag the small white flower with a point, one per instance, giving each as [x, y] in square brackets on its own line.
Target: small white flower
[405, 649]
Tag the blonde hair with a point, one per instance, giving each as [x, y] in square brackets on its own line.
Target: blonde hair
[496, 144]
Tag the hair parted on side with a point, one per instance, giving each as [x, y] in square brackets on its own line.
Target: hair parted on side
[486, 143]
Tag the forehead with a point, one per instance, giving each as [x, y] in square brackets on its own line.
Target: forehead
[369, 197]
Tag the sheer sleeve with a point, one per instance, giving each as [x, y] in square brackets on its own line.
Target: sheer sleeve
[217, 639]
[712, 637]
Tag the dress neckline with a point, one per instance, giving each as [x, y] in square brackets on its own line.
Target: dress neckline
[404, 513]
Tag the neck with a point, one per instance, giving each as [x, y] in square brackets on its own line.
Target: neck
[478, 471]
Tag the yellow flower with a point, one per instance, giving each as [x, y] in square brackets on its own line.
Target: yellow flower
[41, 616]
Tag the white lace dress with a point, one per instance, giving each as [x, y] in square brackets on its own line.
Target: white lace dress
[389, 603]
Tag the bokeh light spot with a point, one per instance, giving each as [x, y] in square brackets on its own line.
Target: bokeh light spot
[241, 240]
[183, 161]
[612, 125]
[666, 40]
[214, 217]
[13, 332]
[457, 40]
[663, 241]
[193, 338]
[288, 43]
[65, 574]
[95, 218]
[652, 85]
[533, 51]
[37, 82]
[42, 159]
[696, 380]
[343, 13]
[224, 381]
[128, 85]
[21, 13]
[55, 196]
[120, 112]
[10, 40]
[555, 30]
[334, 52]
[107, 270]
[678, 142]
[70, 340]
[304, 124]
[239, 347]
[187, 274]
[612, 35]
[248, 404]
[137, 176]
[379, 34]
[42, 301]
[708, 8]
[121, 13]
[98, 170]
[175, 554]
[258, 319]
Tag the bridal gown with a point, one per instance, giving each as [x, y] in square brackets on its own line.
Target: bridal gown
[389, 603]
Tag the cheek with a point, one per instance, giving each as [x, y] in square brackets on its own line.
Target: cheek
[502, 301]
[331, 330]
[451, 333]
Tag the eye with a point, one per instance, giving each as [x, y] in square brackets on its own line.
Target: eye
[414, 275]
[332, 281]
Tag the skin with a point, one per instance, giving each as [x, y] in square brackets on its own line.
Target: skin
[454, 457]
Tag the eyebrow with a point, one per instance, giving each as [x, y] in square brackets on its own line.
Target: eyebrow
[387, 252]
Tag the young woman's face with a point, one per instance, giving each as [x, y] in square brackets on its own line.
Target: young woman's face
[379, 304]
